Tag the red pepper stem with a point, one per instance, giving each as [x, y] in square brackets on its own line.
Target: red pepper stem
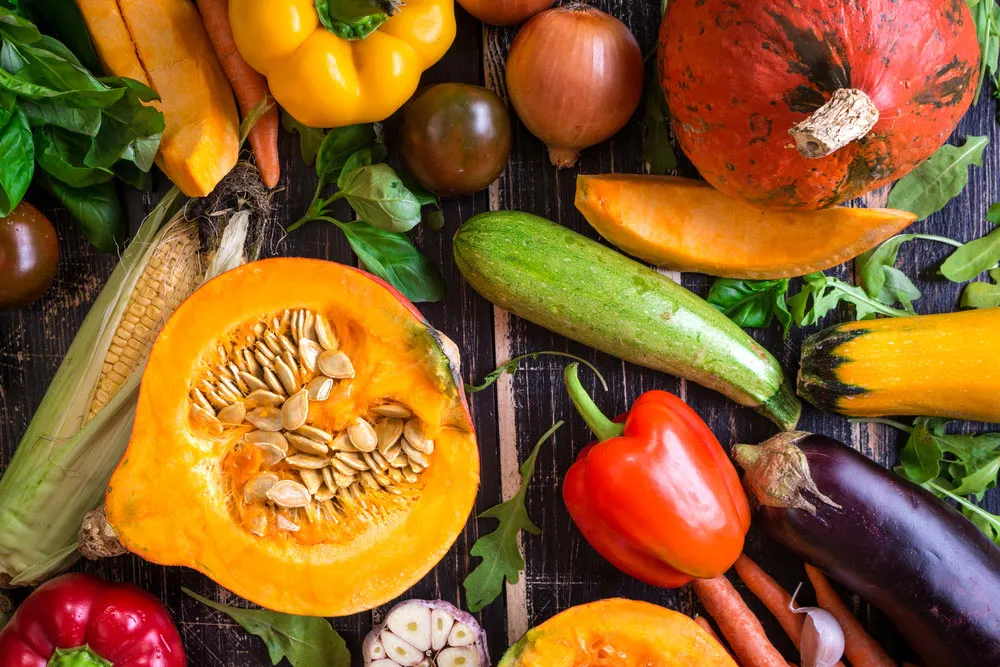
[603, 428]
[81, 656]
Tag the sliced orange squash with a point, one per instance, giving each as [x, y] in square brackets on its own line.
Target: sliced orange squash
[687, 225]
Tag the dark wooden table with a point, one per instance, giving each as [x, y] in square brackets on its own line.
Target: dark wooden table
[562, 570]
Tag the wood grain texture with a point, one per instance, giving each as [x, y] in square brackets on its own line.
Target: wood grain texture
[562, 570]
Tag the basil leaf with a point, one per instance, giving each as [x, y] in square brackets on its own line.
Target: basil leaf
[63, 20]
[751, 303]
[16, 28]
[502, 559]
[379, 198]
[61, 153]
[362, 158]
[929, 187]
[18, 164]
[96, 209]
[310, 138]
[305, 641]
[973, 258]
[657, 151]
[393, 258]
[337, 148]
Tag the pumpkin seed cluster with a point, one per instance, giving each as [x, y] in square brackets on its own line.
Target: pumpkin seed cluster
[265, 385]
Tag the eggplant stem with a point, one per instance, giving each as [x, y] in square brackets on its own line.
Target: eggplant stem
[603, 428]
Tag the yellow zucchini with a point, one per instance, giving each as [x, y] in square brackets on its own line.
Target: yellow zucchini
[933, 365]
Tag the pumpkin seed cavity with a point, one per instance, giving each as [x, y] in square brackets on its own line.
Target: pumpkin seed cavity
[265, 385]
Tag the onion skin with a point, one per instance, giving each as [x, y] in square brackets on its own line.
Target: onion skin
[574, 76]
[505, 12]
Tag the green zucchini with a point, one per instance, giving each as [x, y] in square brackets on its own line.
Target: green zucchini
[585, 291]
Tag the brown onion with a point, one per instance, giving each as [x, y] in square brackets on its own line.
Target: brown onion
[574, 76]
[505, 12]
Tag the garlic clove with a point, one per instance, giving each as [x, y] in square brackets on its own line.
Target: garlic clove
[374, 650]
[399, 651]
[382, 663]
[461, 635]
[441, 622]
[411, 623]
[458, 656]
[822, 642]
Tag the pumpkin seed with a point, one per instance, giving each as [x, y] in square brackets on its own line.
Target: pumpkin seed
[395, 458]
[309, 351]
[368, 481]
[353, 460]
[414, 455]
[258, 525]
[313, 433]
[229, 391]
[289, 360]
[307, 446]
[263, 360]
[308, 326]
[312, 479]
[266, 418]
[409, 475]
[252, 382]
[238, 379]
[262, 398]
[327, 475]
[295, 410]
[341, 468]
[286, 318]
[388, 432]
[259, 328]
[287, 524]
[417, 468]
[355, 492]
[414, 434]
[272, 455]
[213, 397]
[253, 367]
[201, 401]
[286, 376]
[325, 334]
[271, 340]
[270, 437]
[382, 480]
[342, 443]
[233, 415]
[271, 378]
[329, 511]
[394, 410]
[320, 388]
[375, 461]
[206, 420]
[255, 491]
[395, 475]
[362, 435]
[342, 481]
[325, 493]
[287, 346]
[336, 365]
[307, 462]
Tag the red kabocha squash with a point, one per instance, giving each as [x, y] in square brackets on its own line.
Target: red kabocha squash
[806, 104]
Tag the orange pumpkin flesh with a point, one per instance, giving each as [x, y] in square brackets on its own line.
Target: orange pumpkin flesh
[618, 633]
[178, 496]
[687, 225]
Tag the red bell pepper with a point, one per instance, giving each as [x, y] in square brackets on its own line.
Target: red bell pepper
[657, 496]
[80, 621]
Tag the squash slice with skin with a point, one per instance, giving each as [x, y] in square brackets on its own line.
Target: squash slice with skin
[687, 225]
[623, 633]
[179, 495]
[163, 44]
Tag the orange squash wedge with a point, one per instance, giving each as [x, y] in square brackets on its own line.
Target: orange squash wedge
[301, 437]
[687, 225]
[618, 633]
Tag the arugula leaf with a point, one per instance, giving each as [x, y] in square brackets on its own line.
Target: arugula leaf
[511, 368]
[881, 280]
[986, 15]
[929, 187]
[822, 293]
[305, 641]
[752, 303]
[657, 151]
[985, 521]
[502, 559]
[973, 258]
[310, 138]
[18, 164]
[982, 295]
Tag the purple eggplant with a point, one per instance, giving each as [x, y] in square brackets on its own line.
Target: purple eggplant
[917, 559]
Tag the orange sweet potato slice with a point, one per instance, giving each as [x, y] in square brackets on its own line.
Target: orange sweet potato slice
[687, 225]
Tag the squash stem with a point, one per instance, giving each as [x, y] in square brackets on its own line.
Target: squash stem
[603, 428]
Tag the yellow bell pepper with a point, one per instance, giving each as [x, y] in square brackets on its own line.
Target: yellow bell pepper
[325, 80]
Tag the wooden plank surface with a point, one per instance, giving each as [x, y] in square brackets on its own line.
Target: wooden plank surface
[562, 570]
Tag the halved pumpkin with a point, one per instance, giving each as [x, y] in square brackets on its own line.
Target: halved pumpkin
[617, 633]
[301, 438]
[687, 225]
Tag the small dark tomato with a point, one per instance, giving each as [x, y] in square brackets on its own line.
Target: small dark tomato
[456, 138]
[29, 255]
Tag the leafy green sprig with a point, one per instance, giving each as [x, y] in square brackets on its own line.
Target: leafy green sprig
[986, 14]
[351, 160]
[511, 368]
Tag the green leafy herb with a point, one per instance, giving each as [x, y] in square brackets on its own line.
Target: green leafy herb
[986, 14]
[511, 368]
[502, 559]
[822, 293]
[881, 280]
[929, 187]
[657, 151]
[350, 159]
[97, 210]
[63, 20]
[985, 521]
[305, 641]
[982, 295]
[973, 258]
[310, 138]
[752, 303]
[18, 164]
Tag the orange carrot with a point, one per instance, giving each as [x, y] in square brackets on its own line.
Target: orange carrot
[774, 597]
[249, 86]
[861, 650]
[707, 627]
[738, 624]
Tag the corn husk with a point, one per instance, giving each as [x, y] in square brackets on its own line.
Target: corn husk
[80, 431]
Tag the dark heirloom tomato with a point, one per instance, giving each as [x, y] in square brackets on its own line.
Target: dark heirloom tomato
[739, 75]
[29, 255]
[456, 138]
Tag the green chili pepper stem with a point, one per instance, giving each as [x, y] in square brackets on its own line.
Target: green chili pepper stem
[603, 428]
